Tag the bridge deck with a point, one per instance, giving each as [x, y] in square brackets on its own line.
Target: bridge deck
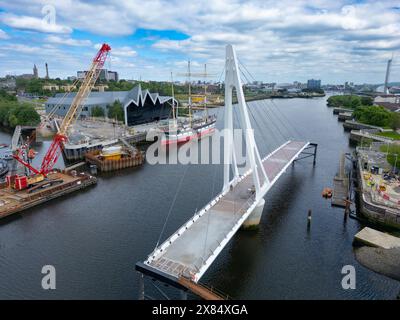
[192, 249]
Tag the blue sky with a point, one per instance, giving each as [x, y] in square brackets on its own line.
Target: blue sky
[278, 41]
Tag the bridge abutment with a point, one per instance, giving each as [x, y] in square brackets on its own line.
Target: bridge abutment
[254, 218]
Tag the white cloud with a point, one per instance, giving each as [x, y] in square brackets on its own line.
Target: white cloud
[116, 62]
[4, 35]
[287, 39]
[22, 48]
[123, 52]
[32, 23]
[68, 41]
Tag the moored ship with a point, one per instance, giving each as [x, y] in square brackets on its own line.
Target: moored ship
[182, 131]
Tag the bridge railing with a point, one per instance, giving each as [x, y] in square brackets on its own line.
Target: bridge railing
[15, 138]
[183, 228]
[238, 213]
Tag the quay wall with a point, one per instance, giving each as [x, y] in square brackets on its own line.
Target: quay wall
[379, 214]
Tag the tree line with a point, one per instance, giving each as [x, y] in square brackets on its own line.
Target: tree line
[365, 111]
[349, 101]
[35, 86]
[13, 113]
[115, 111]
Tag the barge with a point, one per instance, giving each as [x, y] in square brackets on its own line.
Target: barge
[57, 184]
[115, 158]
[77, 151]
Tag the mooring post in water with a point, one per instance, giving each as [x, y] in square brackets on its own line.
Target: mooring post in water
[315, 153]
[141, 286]
[347, 208]
[183, 294]
[309, 220]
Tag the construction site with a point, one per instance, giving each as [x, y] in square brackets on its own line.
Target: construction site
[24, 193]
[379, 186]
[90, 135]
[26, 186]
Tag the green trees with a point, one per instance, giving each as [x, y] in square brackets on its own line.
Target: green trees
[5, 96]
[346, 101]
[13, 113]
[121, 85]
[163, 88]
[395, 121]
[316, 90]
[35, 86]
[393, 154]
[374, 115]
[349, 101]
[366, 112]
[26, 115]
[367, 101]
[354, 102]
[97, 112]
[116, 111]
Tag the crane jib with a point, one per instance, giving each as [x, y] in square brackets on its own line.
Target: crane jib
[73, 112]
[88, 82]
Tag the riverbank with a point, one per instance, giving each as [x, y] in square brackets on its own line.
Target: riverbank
[269, 96]
[379, 194]
[378, 251]
[382, 261]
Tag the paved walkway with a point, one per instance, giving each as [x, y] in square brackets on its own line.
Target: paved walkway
[192, 249]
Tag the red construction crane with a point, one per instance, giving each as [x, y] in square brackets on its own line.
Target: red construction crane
[54, 150]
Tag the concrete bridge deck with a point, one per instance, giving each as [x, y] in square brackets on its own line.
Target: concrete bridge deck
[192, 249]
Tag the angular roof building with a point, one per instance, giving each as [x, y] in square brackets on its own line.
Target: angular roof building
[140, 106]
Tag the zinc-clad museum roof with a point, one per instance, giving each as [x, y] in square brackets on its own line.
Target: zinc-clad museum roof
[108, 97]
[136, 96]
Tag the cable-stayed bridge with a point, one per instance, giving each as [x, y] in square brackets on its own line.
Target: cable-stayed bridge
[187, 254]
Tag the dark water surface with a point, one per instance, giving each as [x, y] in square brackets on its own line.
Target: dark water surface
[95, 237]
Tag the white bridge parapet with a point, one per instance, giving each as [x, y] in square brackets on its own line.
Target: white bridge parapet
[192, 249]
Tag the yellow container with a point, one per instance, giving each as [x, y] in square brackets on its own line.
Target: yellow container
[115, 156]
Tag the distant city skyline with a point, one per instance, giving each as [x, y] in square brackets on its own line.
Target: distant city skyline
[279, 42]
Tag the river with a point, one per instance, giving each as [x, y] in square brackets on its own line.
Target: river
[95, 237]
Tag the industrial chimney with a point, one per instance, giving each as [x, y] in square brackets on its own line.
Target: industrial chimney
[386, 88]
[47, 71]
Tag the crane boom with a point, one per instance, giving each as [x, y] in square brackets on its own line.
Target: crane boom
[88, 82]
[85, 88]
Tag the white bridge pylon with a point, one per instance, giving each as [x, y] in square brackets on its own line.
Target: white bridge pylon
[192, 249]
[233, 81]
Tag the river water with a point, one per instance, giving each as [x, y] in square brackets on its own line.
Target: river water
[95, 237]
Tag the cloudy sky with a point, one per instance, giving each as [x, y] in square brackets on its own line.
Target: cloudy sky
[279, 41]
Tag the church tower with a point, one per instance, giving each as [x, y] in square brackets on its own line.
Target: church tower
[35, 72]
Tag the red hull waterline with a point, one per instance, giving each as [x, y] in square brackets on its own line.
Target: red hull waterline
[166, 142]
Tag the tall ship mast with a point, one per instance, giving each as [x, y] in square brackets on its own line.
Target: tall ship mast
[194, 127]
[174, 112]
[205, 91]
[189, 93]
